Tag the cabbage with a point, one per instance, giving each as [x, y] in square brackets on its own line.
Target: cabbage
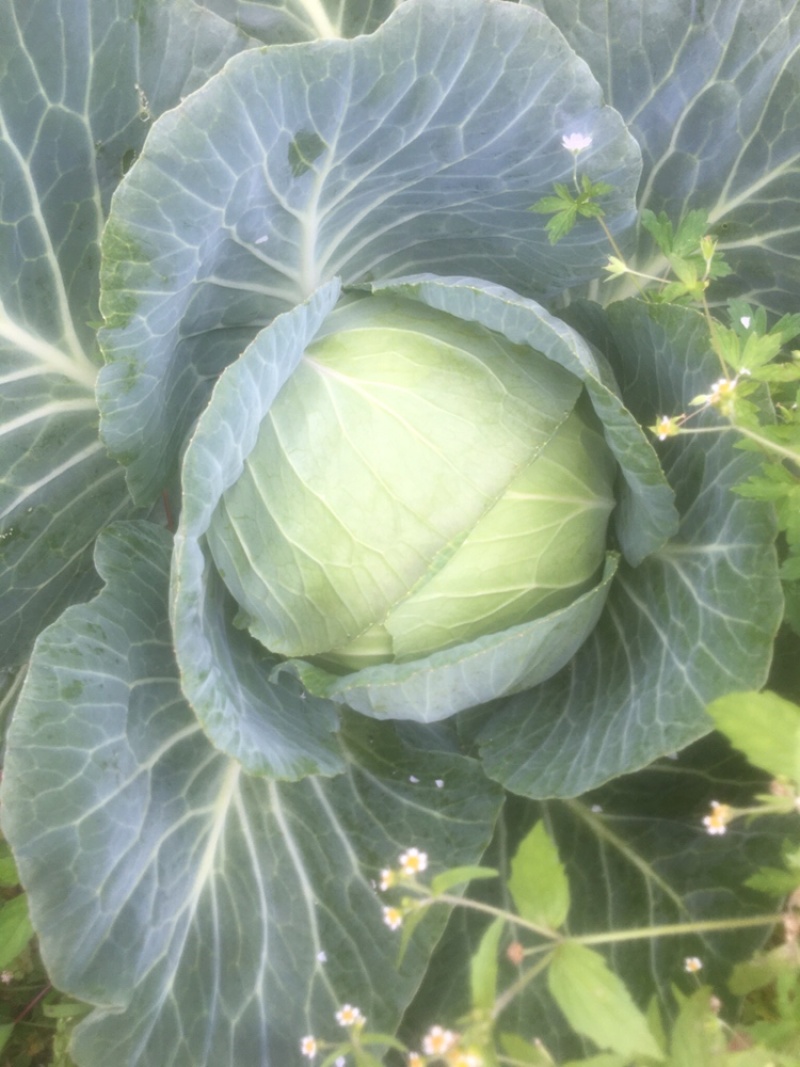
[417, 484]
[330, 527]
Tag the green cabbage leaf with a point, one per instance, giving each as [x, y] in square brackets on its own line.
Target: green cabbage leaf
[198, 818]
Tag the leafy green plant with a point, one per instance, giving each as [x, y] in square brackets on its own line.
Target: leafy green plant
[751, 356]
[194, 196]
[533, 944]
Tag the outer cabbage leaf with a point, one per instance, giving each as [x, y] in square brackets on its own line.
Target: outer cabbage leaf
[711, 90]
[419, 147]
[81, 80]
[270, 726]
[212, 917]
[695, 620]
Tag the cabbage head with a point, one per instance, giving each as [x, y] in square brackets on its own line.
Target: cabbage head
[420, 484]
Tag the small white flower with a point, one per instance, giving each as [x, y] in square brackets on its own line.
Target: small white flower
[393, 918]
[439, 783]
[575, 142]
[665, 427]
[717, 821]
[308, 1047]
[413, 779]
[413, 862]
[347, 1015]
[322, 956]
[745, 321]
[437, 1041]
[692, 964]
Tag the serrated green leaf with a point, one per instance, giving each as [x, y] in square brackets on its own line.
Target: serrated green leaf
[599, 188]
[765, 727]
[691, 229]
[561, 224]
[698, 1037]
[659, 227]
[763, 969]
[674, 292]
[547, 205]
[538, 882]
[686, 271]
[777, 372]
[758, 350]
[596, 1002]
[590, 210]
[774, 881]
[562, 200]
[637, 855]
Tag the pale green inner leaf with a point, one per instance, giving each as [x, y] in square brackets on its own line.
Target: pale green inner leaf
[535, 551]
[378, 462]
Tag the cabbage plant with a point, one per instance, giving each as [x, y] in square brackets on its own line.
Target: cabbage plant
[330, 524]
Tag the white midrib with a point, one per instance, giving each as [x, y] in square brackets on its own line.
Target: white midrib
[309, 267]
[77, 367]
[318, 17]
[219, 816]
[60, 293]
